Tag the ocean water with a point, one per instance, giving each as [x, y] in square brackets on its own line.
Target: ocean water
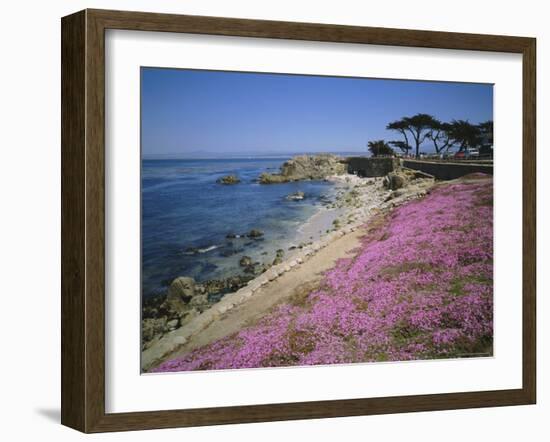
[186, 217]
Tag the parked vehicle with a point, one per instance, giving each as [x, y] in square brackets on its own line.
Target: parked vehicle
[470, 153]
[460, 155]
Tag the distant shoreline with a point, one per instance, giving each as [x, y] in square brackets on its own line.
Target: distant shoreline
[236, 156]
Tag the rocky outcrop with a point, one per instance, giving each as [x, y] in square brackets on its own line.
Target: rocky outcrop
[180, 292]
[296, 196]
[228, 179]
[255, 233]
[245, 261]
[395, 180]
[405, 184]
[152, 327]
[278, 257]
[306, 167]
[402, 177]
[161, 314]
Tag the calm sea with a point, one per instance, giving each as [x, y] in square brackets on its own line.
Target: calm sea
[186, 217]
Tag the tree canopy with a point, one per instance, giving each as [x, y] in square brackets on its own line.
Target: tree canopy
[464, 134]
[418, 126]
[380, 148]
[443, 135]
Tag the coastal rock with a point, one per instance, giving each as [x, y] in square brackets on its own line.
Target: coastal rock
[245, 261]
[255, 233]
[188, 315]
[223, 307]
[296, 196]
[191, 250]
[180, 293]
[199, 301]
[404, 177]
[228, 179]
[172, 324]
[306, 167]
[213, 286]
[234, 283]
[245, 294]
[256, 269]
[271, 178]
[152, 327]
[279, 254]
[395, 180]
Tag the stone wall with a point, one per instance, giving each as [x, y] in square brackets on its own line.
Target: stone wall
[448, 171]
[371, 167]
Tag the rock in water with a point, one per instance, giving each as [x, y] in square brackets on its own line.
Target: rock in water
[296, 196]
[306, 167]
[272, 178]
[278, 257]
[245, 261]
[255, 233]
[228, 179]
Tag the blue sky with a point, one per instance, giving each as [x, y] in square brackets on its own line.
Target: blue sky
[195, 113]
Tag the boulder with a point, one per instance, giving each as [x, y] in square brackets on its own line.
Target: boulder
[199, 301]
[180, 293]
[228, 179]
[152, 327]
[395, 180]
[245, 261]
[255, 233]
[270, 178]
[214, 286]
[172, 324]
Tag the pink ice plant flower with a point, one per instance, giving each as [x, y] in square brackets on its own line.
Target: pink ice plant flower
[419, 287]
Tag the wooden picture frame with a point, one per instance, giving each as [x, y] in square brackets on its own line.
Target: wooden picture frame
[83, 220]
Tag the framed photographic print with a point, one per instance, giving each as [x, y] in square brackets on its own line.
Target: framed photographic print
[269, 220]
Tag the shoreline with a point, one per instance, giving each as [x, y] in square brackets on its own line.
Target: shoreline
[285, 233]
[357, 201]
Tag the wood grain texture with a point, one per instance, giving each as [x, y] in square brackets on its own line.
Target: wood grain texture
[529, 221]
[73, 258]
[83, 219]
